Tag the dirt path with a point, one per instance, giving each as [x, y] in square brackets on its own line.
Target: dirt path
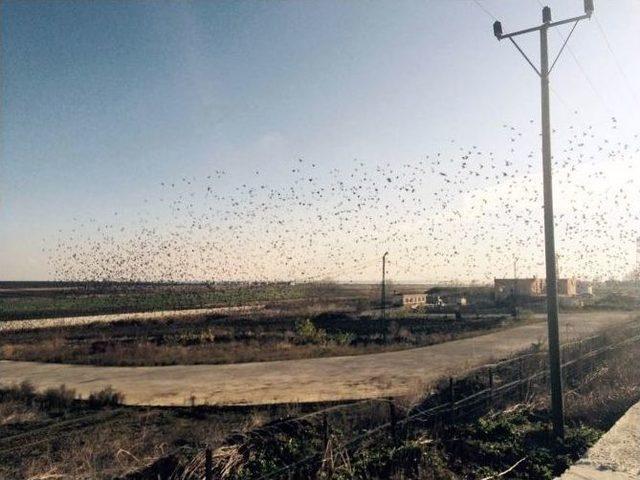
[316, 379]
[38, 323]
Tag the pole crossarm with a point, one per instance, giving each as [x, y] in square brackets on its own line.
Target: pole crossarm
[544, 25]
[586, 16]
[521, 32]
[535, 69]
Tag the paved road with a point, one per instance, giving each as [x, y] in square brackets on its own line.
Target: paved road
[316, 379]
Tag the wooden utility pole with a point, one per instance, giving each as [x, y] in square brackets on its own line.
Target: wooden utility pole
[555, 374]
[515, 287]
[638, 261]
[383, 293]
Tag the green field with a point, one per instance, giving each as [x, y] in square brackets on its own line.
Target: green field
[90, 300]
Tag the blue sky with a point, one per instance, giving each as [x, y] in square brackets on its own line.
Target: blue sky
[103, 100]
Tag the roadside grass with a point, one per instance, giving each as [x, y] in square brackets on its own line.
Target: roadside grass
[296, 333]
[53, 434]
[59, 400]
[593, 403]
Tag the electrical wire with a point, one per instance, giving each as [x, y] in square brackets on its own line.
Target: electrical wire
[617, 62]
[485, 10]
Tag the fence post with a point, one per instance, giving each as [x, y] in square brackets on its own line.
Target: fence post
[579, 362]
[326, 463]
[393, 420]
[491, 386]
[208, 464]
[452, 399]
[521, 376]
[325, 431]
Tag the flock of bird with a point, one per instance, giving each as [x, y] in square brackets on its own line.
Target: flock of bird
[464, 213]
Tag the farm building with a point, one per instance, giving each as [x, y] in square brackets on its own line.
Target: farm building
[584, 288]
[567, 287]
[522, 287]
[532, 287]
[411, 300]
[448, 296]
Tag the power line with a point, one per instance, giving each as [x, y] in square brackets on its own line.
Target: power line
[484, 9]
[617, 62]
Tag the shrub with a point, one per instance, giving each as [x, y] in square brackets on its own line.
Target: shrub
[405, 335]
[106, 397]
[343, 338]
[60, 398]
[307, 332]
[393, 329]
[525, 314]
[27, 390]
[494, 442]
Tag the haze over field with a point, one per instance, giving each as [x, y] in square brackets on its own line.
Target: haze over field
[268, 142]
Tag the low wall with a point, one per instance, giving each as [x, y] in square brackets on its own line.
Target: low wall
[616, 456]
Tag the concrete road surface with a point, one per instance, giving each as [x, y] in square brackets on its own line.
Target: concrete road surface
[616, 456]
[309, 380]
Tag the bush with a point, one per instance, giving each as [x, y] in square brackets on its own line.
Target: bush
[106, 397]
[410, 459]
[493, 443]
[343, 338]
[525, 314]
[307, 332]
[60, 398]
[393, 328]
[27, 390]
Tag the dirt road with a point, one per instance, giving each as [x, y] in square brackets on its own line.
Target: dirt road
[38, 323]
[317, 379]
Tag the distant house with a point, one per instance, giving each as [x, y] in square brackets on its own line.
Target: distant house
[584, 288]
[410, 300]
[567, 287]
[448, 296]
[505, 288]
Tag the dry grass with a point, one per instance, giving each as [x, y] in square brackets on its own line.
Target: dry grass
[128, 440]
[607, 391]
[218, 340]
[149, 353]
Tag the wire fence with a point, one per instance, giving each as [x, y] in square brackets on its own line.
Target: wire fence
[350, 427]
[57, 428]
